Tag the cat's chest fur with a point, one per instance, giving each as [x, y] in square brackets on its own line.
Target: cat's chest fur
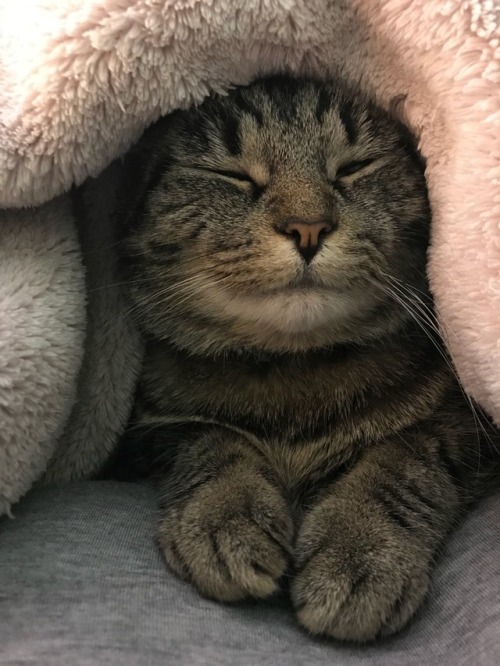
[305, 412]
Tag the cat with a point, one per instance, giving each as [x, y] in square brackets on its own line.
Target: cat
[297, 405]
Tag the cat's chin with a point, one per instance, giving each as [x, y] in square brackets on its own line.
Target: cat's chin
[297, 311]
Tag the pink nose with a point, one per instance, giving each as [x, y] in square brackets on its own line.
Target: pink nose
[307, 235]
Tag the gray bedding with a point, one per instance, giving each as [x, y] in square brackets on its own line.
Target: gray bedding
[82, 583]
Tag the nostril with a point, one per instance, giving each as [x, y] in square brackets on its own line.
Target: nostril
[324, 230]
[296, 235]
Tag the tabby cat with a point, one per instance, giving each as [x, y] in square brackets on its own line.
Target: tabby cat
[296, 402]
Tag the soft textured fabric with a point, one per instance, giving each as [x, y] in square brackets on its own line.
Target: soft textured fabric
[79, 81]
[69, 355]
[42, 328]
[82, 583]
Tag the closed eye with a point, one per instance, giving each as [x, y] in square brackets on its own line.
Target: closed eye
[235, 175]
[352, 168]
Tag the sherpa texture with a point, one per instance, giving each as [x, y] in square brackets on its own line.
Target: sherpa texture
[81, 80]
[42, 324]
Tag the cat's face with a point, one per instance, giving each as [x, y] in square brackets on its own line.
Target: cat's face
[271, 218]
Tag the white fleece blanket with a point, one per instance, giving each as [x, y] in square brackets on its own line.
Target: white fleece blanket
[79, 82]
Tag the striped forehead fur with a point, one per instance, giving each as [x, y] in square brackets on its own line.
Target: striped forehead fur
[277, 97]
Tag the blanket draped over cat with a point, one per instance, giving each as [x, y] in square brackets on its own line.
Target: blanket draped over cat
[79, 84]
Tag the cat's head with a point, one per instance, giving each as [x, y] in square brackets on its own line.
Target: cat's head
[286, 215]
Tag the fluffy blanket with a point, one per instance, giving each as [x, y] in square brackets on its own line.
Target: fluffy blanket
[79, 83]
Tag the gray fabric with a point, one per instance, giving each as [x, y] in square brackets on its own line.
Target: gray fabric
[82, 583]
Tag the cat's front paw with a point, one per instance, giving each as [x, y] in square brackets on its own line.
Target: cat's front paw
[358, 575]
[232, 539]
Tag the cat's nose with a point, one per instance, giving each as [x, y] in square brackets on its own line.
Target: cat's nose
[307, 235]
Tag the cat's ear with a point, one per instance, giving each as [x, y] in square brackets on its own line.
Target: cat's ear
[411, 143]
[131, 191]
[141, 170]
[397, 109]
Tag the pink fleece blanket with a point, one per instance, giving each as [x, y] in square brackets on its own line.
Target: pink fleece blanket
[79, 81]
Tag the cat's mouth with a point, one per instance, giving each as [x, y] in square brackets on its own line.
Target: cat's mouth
[305, 285]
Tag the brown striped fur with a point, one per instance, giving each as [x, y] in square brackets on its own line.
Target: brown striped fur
[302, 418]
